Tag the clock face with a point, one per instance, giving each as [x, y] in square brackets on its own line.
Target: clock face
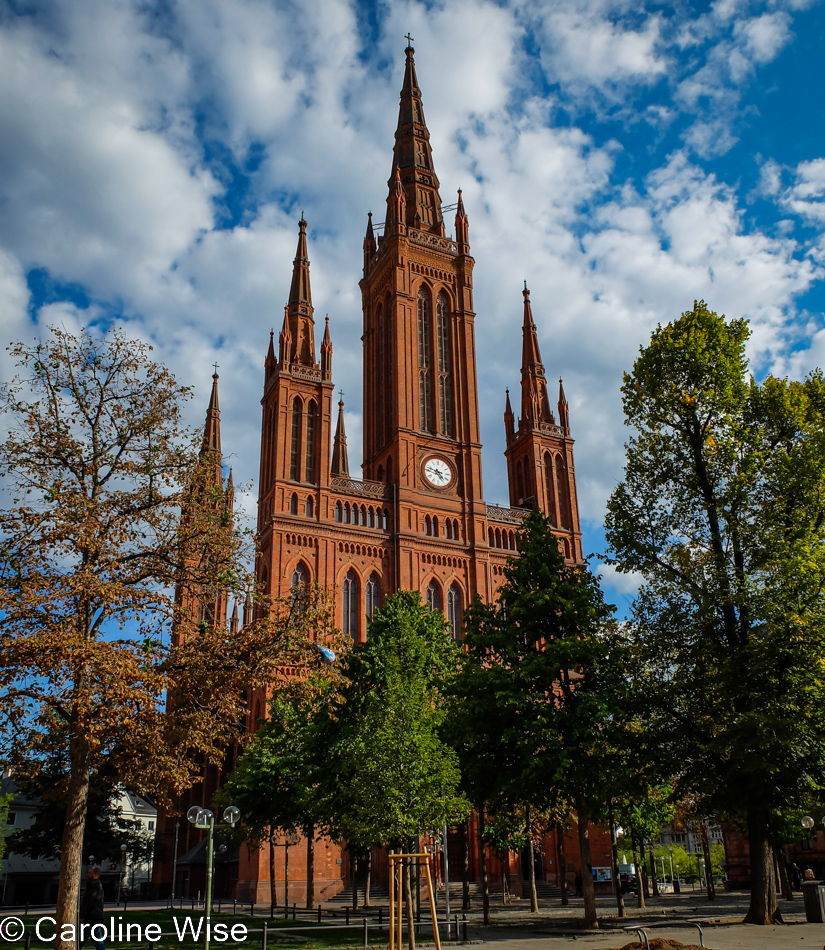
[438, 473]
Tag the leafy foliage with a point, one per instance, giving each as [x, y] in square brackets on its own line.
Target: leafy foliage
[721, 511]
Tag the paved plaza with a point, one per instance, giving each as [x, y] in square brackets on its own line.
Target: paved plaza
[555, 926]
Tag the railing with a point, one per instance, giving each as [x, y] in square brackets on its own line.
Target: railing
[356, 486]
[297, 371]
[427, 239]
[507, 515]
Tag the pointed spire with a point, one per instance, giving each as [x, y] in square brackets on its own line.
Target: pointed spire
[299, 306]
[247, 609]
[326, 353]
[413, 156]
[285, 341]
[229, 494]
[535, 403]
[396, 204]
[509, 419]
[370, 246]
[233, 623]
[212, 429]
[564, 408]
[462, 231]
[340, 464]
[270, 363]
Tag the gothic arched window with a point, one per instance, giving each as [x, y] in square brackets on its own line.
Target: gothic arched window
[294, 464]
[378, 378]
[310, 507]
[371, 597]
[445, 382]
[293, 504]
[310, 439]
[350, 605]
[298, 585]
[425, 394]
[339, 511]
[564, 499]
[454, 611]
[550, 481]
[433, 600]
[519, 482]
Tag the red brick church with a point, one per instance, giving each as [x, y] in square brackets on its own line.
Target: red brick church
[418, 518]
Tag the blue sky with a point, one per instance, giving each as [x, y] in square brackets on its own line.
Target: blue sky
[623, 158]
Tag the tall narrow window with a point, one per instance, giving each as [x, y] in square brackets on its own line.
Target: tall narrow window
[350, 605]
[389, 358]
[371, 598]
[425, 395]
[378, 379]
[550, 482]
[519, 482]
[298, 585]
[454, 611]
[295, 462]
[310, 451]
[445, 382]
[564, 500]
[433, 600]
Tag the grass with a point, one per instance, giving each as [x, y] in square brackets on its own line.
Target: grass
[177, 931]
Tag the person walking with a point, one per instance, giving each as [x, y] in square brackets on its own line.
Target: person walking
[91, 911]
[577, 881]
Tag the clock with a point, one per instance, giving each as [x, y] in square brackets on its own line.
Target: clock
[438, 472]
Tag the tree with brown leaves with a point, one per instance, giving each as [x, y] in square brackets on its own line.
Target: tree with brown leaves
[98, 469]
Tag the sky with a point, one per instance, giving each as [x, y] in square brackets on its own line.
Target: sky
[624, 158]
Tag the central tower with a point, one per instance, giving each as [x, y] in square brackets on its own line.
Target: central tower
[421, 430]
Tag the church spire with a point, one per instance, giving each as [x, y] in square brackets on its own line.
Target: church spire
[509, 420]
[211, 443]
[462, 231]
[564, 409]
[535, 404]
[412, 156]
[299, 306]
[270, 363]
[340, 464]
[326, 353]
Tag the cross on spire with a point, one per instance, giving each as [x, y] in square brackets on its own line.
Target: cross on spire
[341, 394]
[409, 39]
[215, 364]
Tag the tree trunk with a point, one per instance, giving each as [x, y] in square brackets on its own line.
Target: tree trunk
[561, 857]
[703, 837]
[590, 918]
[465, 874]
[286, 877]
[367, 876]
[782, 871]
[654, 880]
[409, 905]
[763, 906]
[503, 862]
[614, 848]
[355, 863]
[71, 848]
[640, 871]
[531, 862]
[273, 894]
[309, 831]
[482, 864]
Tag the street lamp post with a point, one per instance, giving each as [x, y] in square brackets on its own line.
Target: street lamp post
[123, 850]
[204, 818]
[677, 889]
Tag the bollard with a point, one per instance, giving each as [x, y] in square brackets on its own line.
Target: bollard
[366, 934]
[294, 907]
[235, 905]
[28, 941]
[455, 930]
[464, 928]
[380, 916]
[319, 913]
[252, 909]
[348, 915]
[264, 935]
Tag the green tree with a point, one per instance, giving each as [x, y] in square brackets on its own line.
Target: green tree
[390, 776]
[545, 665]
[275, 783]
[721, 511]
[98, 471]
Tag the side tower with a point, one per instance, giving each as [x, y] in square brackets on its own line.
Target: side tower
[295, 431]
[421, 431]
[540, 470]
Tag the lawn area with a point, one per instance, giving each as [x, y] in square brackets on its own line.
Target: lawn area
[172, 929]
